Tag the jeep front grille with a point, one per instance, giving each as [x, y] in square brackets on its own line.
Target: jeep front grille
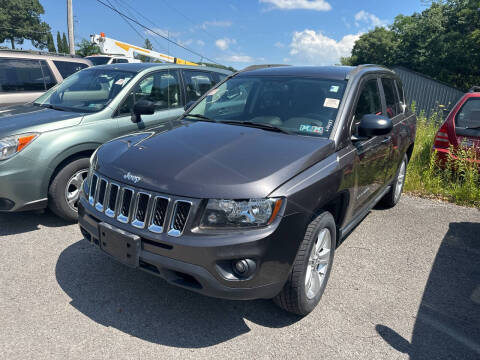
[139, 208]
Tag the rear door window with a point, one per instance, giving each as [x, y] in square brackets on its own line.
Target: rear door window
[197, 83]
[469, 114]
[21, 75]
[392, 99]
[67, 68]
[119, 61]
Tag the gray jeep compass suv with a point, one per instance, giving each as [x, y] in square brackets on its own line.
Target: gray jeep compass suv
[248, 194]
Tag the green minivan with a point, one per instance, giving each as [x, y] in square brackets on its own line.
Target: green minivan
[45, 146]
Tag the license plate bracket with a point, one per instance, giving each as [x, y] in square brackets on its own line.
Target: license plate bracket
[119, 244]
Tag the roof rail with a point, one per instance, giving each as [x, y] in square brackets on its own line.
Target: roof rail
[263, 66]
[364, 66]
[475, 88]
[37, 52]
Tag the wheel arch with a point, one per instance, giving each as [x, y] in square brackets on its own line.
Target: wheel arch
[337, 206]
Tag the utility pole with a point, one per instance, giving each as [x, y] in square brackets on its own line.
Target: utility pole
[71, 38]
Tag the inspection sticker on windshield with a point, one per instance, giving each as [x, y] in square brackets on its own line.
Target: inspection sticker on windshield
[212, 92]
[311, 129]
[119, 82]
[334, 88]
[331, 103]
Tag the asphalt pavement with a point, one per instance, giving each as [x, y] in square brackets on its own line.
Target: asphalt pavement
[405, 284]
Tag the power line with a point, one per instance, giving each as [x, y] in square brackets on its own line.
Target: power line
[128, 23]
[156, 33]
[126, 7]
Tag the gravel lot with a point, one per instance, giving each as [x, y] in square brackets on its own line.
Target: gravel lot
[405, 284]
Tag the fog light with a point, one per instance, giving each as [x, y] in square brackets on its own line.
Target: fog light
[241, 267]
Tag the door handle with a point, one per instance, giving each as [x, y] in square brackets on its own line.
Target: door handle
[387, 140]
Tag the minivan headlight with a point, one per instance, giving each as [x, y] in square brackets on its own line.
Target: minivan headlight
[11, 145]
[240, 213]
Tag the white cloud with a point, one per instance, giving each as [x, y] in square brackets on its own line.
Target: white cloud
[216, 23]
[317, 5]
[279, 45]
[314, 48]
[364, 18]
[237, 58]
[224, 43]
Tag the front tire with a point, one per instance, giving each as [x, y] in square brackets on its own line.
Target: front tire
[311, 269]
[65, 189]
[393, 196]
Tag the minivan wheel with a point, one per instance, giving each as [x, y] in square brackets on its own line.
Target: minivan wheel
[311, 269]
[65, 188]
[393, 196]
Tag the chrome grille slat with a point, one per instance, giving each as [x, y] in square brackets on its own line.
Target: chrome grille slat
[180, 215]
[159, 214]
[112, 197]
[101, 192]
[139, 208]
[140, 212]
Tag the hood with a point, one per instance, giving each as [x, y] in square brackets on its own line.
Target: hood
[210, 160]
[29, 117]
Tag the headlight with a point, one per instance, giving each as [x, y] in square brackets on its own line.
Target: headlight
[11, 145]
[240, 213]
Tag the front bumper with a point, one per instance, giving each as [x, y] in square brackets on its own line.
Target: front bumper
[202, 263]
[21, 185]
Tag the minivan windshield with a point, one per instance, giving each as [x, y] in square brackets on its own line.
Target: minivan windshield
[293, 105]
[89, 90]
[98, 60]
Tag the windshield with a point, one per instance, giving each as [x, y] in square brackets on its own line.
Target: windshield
[98, 60]
[305, 106]
[88, 90]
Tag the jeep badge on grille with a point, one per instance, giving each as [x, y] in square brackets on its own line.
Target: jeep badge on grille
[133, 178]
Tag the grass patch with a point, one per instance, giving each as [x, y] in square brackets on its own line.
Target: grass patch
[458, 182]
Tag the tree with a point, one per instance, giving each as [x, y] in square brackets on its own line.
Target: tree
[59, 43]
[20, 20]
[87, 48]
[66, 48]
[218, 66]
[51, 43]
[442, 41]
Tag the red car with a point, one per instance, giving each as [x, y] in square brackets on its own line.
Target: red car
[461, 128]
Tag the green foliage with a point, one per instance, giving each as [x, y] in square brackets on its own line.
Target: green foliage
[443, 42]
[59, 43]
[20, 20]
[65, 47]
[458, 181]
[51, 43]
[87, 48]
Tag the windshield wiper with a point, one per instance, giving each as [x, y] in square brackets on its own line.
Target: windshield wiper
[263, 126]
[200, 117]
[50, 106]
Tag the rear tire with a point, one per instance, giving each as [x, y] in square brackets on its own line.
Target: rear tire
[393, 196]
[65, 189]
[311, 269]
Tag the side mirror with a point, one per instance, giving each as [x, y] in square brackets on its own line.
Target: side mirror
[374, 125]
[142, 107]
[188, 105]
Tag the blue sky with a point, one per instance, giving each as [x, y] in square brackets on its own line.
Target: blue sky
[237, 32]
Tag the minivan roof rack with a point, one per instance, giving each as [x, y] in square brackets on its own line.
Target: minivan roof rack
[261, 66]
[37, 52]
[358, 68]
[475, 88]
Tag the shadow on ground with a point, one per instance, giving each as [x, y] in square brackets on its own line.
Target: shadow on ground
[24, 222]
[448, 320]
[145, 306]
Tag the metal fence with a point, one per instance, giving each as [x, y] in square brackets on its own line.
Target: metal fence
[427, 93]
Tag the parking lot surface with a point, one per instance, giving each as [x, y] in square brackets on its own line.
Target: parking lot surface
[405, 284]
